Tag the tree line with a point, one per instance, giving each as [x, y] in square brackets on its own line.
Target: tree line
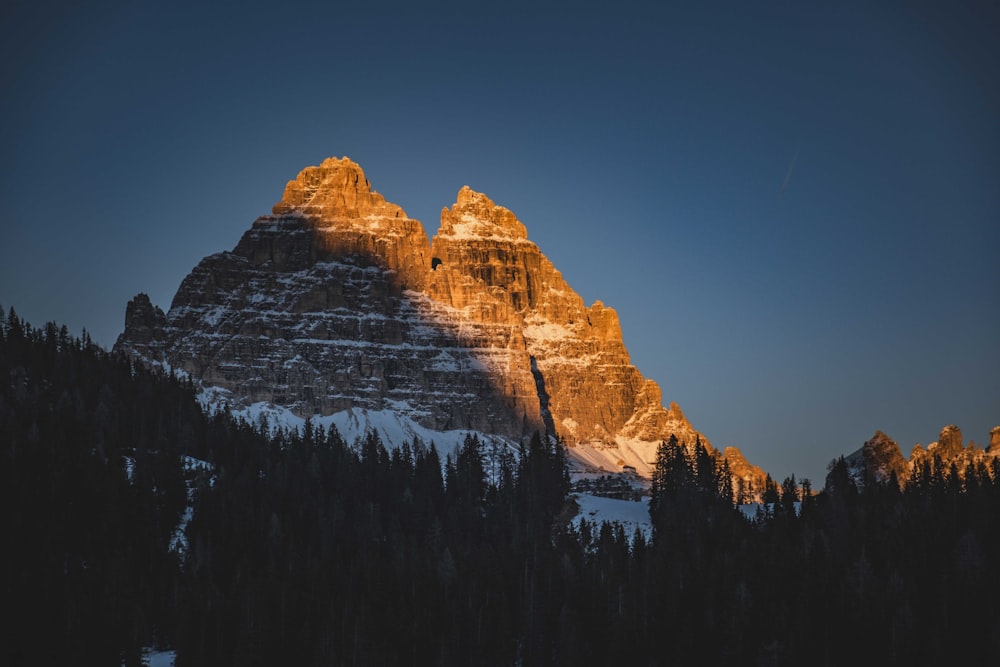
[301, 548]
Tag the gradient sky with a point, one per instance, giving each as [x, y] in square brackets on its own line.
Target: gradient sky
[795, 211]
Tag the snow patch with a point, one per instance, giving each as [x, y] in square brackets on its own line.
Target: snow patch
[193, 468]
[393, 426]
[598, 456]
[630, 514]
[214, 316]
[156, 658]
[547, 331]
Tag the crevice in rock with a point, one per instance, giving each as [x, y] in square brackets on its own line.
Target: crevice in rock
[543, 398]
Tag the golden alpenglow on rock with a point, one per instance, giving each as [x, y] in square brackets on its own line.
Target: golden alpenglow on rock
[337, 301]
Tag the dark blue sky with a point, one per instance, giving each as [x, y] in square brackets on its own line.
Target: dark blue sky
[795, 211]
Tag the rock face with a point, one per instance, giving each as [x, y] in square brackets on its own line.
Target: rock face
[145, 322]
[748, 479]
[950, 449]
[486, 268]
[320, 308]
[949, 444]
[337, 300]
[881, 457]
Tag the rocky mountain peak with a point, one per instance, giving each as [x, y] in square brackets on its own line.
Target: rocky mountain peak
[336, 189]
[331, 213]
[337, 301]
[882, 458]
[474, 215]
[949, 442]
[144, 320]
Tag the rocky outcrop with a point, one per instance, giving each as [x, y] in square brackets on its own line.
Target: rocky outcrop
[881, 457]
[338, 300]
[319, 308]
[949, 444]
[748, 479]
[486, 268]
[950, 450]
[881, 460]
[145, 322]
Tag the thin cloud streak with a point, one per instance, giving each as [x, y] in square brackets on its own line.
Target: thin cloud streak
[791, 168]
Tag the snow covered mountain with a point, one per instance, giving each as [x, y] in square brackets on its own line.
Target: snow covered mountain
[337, 305]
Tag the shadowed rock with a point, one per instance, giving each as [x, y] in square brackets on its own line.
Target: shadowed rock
[338, 300]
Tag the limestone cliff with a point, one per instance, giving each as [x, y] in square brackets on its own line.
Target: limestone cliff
[950, 448]
[880, 457]
[337, 300]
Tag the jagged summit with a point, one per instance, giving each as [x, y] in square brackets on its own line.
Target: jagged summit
[475, 215]
[338, 301]
[880, 457]
[144, 320]
[337, 188]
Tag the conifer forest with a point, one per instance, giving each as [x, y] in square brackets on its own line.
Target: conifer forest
[131, 519]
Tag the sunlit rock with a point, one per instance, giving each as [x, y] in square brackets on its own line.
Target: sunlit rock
[337, 300]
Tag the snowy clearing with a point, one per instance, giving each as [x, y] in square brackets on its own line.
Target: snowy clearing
[629, 514]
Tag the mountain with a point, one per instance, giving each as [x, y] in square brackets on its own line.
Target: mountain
[880, 457]
[134, 519]
[338, 301]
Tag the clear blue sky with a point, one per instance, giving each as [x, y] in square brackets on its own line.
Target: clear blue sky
[795, 211]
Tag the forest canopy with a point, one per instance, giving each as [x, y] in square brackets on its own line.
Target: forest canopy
[134, 519]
